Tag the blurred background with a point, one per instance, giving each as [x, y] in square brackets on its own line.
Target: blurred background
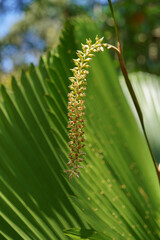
[31, 27]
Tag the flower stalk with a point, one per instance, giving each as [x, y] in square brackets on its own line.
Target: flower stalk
[76, 104]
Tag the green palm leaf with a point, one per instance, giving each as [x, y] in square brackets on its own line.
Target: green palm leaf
[118, 193]
[147, 89]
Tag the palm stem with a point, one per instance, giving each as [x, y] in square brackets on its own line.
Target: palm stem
[130, 88]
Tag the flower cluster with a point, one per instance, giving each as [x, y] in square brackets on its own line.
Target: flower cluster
[76, 104]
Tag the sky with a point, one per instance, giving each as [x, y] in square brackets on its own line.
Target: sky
[10, 14]
[8, 20]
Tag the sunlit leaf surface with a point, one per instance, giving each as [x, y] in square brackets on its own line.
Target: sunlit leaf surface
[147, 88]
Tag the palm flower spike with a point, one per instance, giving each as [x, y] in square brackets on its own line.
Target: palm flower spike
[76, 104]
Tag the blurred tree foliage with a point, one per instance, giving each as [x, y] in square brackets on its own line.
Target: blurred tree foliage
[139, 27]
[37, 32]
[138, 22]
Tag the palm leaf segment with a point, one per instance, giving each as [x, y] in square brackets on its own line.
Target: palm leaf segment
[117, 196]
[147, 89]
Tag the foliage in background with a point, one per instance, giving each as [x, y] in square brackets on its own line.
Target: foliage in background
[138, 23]
[118, 193]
